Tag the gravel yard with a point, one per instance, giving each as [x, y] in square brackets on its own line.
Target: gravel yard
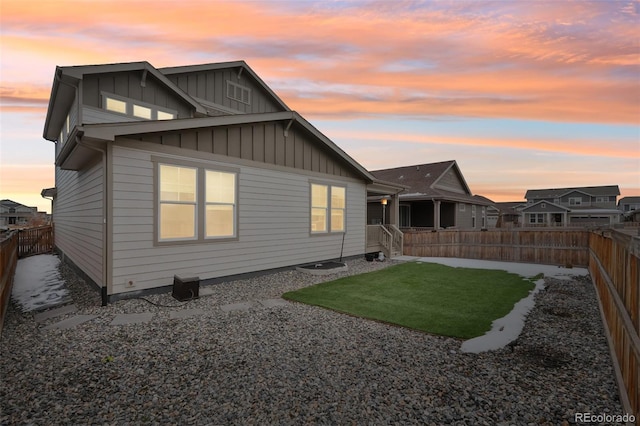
[298, 364]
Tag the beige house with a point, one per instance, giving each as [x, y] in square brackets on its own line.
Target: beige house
[194, 171]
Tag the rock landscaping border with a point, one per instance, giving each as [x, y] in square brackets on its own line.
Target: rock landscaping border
[289, 363]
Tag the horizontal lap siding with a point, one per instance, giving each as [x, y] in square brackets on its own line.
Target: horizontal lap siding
[79, 218]
[273, 227]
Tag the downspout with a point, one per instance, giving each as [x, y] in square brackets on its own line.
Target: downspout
[103, 152]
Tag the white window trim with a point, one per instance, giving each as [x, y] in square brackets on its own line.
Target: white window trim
[575, 201]
[130, 104]
[233, 88]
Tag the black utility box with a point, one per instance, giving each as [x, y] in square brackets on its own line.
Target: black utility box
[186, 288]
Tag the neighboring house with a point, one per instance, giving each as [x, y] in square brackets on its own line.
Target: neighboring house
[510, 212]
[582, 206]
[16, 215]
[627, 204]
[194, 171]
[630, 207]
[436, 196]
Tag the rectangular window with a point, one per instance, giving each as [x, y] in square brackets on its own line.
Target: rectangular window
[165, 115]
[338, 204]
[220, 204]
[536, 218]
[328, 208]
[575, 201]
[136, 108]
[115, 105]
[319, 206]
[463, 207]
[178, 202]
[238, 93]
[141, 111]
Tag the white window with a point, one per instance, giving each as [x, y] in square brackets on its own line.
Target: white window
[178, 202]
[238, 93]
[575, 201]
[220, 204]
[463, 207]
[328, 208]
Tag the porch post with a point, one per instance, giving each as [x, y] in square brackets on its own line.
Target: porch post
[394, 211]
[566, 219]
[436, 214]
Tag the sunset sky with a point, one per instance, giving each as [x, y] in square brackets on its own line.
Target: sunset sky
[523, 94]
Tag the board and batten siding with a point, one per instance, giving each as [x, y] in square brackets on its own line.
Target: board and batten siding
[273, 225]
[212, 86]
[79, 218]
[260, 142]
[128, 84]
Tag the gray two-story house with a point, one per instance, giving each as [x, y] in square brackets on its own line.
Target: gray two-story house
[195, 171]
[581, 206]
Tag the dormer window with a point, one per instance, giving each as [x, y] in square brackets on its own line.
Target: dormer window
[135, 108]
[115, 105]
[141, 111]
[238, 93]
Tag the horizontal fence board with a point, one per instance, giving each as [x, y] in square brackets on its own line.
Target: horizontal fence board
[554, 247]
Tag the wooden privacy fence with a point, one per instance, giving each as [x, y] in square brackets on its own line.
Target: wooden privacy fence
[35, 241]
[8, 262]
[615, 270]
[549, 246]
[14, 245]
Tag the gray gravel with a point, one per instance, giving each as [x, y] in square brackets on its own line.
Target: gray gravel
[299, 364]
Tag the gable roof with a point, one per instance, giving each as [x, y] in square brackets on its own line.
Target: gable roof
[65, 84]
[629, 200]
[538, 207]
[424, 182]
[108, 132]
[559, 192]
[242, 67]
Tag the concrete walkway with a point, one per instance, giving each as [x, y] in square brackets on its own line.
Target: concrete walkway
[137, 318]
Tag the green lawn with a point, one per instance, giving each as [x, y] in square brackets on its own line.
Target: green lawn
[438, 299]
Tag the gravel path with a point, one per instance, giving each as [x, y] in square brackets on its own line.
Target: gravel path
[299, 364]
